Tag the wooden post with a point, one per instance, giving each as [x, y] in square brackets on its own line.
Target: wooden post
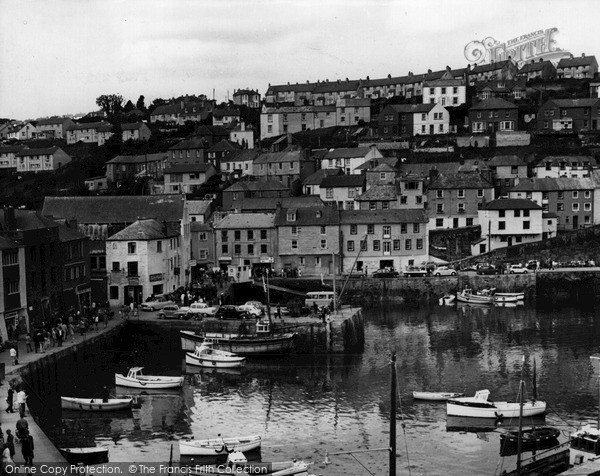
[393, 397]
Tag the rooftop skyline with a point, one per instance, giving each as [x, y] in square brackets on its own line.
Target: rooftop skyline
[57, 57]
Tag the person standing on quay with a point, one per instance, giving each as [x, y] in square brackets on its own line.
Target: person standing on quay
[28, 341]
[9, 400]
[27, 448]
[21, 400]
[10, 442]
[13, 356]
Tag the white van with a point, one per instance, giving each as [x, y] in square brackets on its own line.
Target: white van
[320, 298]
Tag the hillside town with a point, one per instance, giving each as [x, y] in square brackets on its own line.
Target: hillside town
[311, 178]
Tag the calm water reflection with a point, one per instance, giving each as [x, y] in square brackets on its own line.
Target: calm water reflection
[304, 406]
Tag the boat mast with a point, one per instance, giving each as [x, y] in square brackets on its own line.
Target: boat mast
[393, 397]
[334, 286]
[595, 362]
[520, 435]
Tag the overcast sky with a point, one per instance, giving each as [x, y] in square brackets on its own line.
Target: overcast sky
[57, 56]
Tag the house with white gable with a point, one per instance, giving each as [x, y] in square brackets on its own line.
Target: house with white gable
[342, 190]
[350, 158]
[413, 119]
[565, 166]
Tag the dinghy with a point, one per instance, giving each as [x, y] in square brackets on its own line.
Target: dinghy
[218, 446]
[135, 379]
[95, 404]
[206, 356]
[237, 463]
[436, 396]
[85, 456]
[480, 407]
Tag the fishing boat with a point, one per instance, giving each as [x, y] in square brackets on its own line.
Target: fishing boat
[466, 296]
[95, 404]
[498, 299]
[447, 299]
[86, 456]
[136, 379]
[532, 439]
[520, 296]
[480, 407]
[206, 356]
[237, 463]
[263, 342]
[586, 439]
[436, 396]
[219, 446]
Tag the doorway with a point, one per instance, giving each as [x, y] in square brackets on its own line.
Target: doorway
[575, 222]
[133, 294]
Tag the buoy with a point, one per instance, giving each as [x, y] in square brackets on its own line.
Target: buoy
[327, 458]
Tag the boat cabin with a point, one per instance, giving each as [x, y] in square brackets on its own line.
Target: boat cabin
[263, 327]
[135, 372]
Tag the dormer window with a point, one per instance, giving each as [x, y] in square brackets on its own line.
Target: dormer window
[319, 213]
[291, 216]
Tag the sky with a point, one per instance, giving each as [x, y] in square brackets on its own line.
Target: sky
[58, 56]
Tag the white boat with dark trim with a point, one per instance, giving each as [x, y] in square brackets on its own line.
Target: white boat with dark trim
[95, 404]
[480, 407]
[219, 446]
[206, 356]
[136, 379]
[436, 396]
[237, 463]
[86, 456]
[466, 296]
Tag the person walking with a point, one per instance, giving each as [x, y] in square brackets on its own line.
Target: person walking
[27, 448]
[21, 400]
[96, 321]
[10, 442]
[13, 356]
[9, 400]
[105, 319]
[28, 342]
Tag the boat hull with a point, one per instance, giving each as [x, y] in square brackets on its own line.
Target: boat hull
[519, 296]
[85, 456]
[505, 299]
[219, 446]
[95, 405]
[474, 299]
[271, 469]
[207, 361]
[493, 410]
[240, 345]
[149, 382]
[435, 396]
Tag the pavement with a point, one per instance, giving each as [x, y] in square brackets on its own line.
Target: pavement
[45, 451]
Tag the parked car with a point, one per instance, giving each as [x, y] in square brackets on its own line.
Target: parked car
[171, 311]
[385, 273]
[250, 309]
[417, 271]
[444, 271]
[230, 312]
[517, 269]
[486, 269]
[198, 310]
[159, 302]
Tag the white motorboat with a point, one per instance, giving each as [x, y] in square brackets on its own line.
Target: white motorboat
[237, 463]
[447, 300]
[95, 404]
[480, 407]
[436, 396]
[219, 446]
[519, 296]
[206, 356]
[135, 379]
[466, 296]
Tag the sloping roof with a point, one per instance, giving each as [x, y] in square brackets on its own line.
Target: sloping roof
[90, 125]
[374, 164]
[196, 226]
[347, 152]
[228, 111]
[412, 108]
[11, 149]
[512, 204]
[319, 175]
[385, 192]
[247, 220]
[191, 143]
[188, 168]
[255, 185]
[271, 204]
[459, 180]
[198, 207]
[484, 68]
[443, 82]
[275, 157]
[138, 159]
[500, 85]
[300, 109]
[148, 229]
[6, 243]
[43, 151]
[244, 155]
[383, 216]
[225, 145]
[166, 109]
[52, 120]
[29, 220]
[557, 160]
[115, 209]
[575, 62]
[204, 131]
[506, 160]
[535, 66]
[69, 234]
[132, 126]
[349, 180]
[552, 184]
[585, 102]
[308, 216]
[493, 103]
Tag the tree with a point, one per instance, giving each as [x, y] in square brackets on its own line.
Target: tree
[128, 106]
[140, 104]
[111, 104]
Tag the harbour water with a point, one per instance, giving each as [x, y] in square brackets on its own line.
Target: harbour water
[305, 406]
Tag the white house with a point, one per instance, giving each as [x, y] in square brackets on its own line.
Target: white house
[564, 166]
[148, 257]
[350, 158]
[511, 221]
[243, 135]
[342, 190]
[185, 178]
[39, 160]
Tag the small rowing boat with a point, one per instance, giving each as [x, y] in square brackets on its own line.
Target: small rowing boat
[436, 396]
[136, 379]
[86, 456]
[479, 406]
[95, 404]
[218, 446]
[237, 463]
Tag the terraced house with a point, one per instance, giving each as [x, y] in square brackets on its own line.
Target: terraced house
[568, 115]
[90, 132]
[383, 238]
[413, 119]
[41, 160]
[285, 167]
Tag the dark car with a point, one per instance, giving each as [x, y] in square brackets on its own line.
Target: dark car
[486, 269]
[230, 312]
[385, 273]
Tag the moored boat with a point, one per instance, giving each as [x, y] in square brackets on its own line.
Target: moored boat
[586, 439]
[520, 296]
[466, 296]
[537, 438]
[219, 446]
[205, 356]
[500, 299]
[480, 407]
[95, 404]
[86, 456]
[136, 379]
[447, 299]
[237, 463]
[436, 396]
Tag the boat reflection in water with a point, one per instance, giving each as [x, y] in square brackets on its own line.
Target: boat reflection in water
[481, 425]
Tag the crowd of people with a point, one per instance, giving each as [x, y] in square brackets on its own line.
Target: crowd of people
[22, 434]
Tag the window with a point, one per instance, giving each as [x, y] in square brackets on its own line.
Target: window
[114, 292]
[407, 244]
[116, 266]
[250, 249]
[132, 268]
[469, 221]
[419, 243]
[324, 244]
[560, 207]
[501, 213]
[439, 208]
[587, 194]
[403, 199]
[10, 257]
[479, 193]
[363, 245]
[501, 225]
[387, 231]
[131, 248]
[224, 249]
[561, 195]
[439, 194]
[461, 193]
[526, 225]
[460, 207]
[323, 230]
[439, 222]
[294, 244]
[372, 205]
[587, 207]
[329, 193]
[353, 229]
[396, 244]
[250, 235]
[237, 249]
[224, 235]
[416, 228]
[376, 245]
[350, 245]
[263, 249]
[575, 194]
[526, 213]
[517, 213]
[370, 229]
[159, 246]
[576, 207]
